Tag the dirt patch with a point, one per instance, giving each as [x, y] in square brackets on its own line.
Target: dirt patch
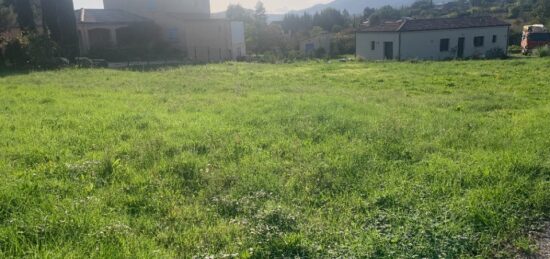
[543, 244]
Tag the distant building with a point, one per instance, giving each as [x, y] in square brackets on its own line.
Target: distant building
[432, 39]
[185, 25]
[313, 45]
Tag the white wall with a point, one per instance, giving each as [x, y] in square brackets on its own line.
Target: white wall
[238, 40]
[425, 44]
[363, 44]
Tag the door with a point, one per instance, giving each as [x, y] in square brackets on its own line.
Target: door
[388, 50]
[460, 50]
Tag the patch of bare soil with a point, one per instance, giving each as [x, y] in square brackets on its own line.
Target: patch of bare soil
[543, 243]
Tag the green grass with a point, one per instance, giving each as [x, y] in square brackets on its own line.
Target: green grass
[429, 159]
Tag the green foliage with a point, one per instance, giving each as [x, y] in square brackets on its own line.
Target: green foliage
[7, 18]
[542, 51]
[342, 44]
[239, 13]
[42, 52]
[34, 51]
[514, 49]
[16, 53]
[25, 15]
[58, 16]
[321, 53]
[313, 160]
[495, 53]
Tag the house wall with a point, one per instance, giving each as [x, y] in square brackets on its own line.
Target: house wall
[238, 40]
[426, 44]
[364, 41]
[208, 40]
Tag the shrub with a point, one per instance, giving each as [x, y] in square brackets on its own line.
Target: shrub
[320, 53]
[33, 51]
[495, 53]
[42, 52]
[16, 53]
[514, 49]
[542, 52]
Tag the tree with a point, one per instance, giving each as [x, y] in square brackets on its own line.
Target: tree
[60, 22]
[259, 13]
[330, 17]
[389, 13]
[25, 15]
[541, 11]
[238, 13]
[7, 17]
[375, 19]
[368, 12]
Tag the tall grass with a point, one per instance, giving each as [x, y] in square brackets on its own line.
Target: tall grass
[432, 159]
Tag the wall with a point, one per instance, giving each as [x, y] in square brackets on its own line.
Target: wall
[238, 40]
[208, 40]
[425, 44]
[363, 44]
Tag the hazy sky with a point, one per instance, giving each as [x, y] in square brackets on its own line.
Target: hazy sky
[273, 6]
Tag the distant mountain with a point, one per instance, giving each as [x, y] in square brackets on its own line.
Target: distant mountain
[357, 6]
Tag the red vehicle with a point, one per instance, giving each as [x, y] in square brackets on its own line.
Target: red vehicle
[534, 36]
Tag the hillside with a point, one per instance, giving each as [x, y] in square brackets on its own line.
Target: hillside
[357, 6]
[316, 160]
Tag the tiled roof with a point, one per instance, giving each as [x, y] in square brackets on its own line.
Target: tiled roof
[436, 24]
[107, 16]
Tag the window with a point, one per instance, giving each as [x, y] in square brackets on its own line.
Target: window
[494, 38]
[372, 45]
[478, 41]
[444, 45]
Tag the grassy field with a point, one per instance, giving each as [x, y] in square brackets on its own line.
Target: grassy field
[429, 159]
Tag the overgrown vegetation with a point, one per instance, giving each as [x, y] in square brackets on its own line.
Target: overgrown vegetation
[443, 159]
[37, 34]
[542, 51]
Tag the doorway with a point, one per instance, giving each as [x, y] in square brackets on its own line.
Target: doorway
[388, 50]
[460, 49]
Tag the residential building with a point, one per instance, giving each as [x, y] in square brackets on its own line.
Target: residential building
[184, 24]
[432, 39]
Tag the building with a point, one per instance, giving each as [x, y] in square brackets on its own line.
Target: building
[432, 39]
[185, 25]
[313, 45]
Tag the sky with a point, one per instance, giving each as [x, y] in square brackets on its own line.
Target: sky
[272, 6]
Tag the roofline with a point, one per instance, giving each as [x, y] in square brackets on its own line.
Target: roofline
[470, 27]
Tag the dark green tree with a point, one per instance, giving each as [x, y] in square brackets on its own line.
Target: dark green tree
[25, 15]
[239, 13]
[60, 22]
[259, 13]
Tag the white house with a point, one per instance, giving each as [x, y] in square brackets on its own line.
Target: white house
[433, 39]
